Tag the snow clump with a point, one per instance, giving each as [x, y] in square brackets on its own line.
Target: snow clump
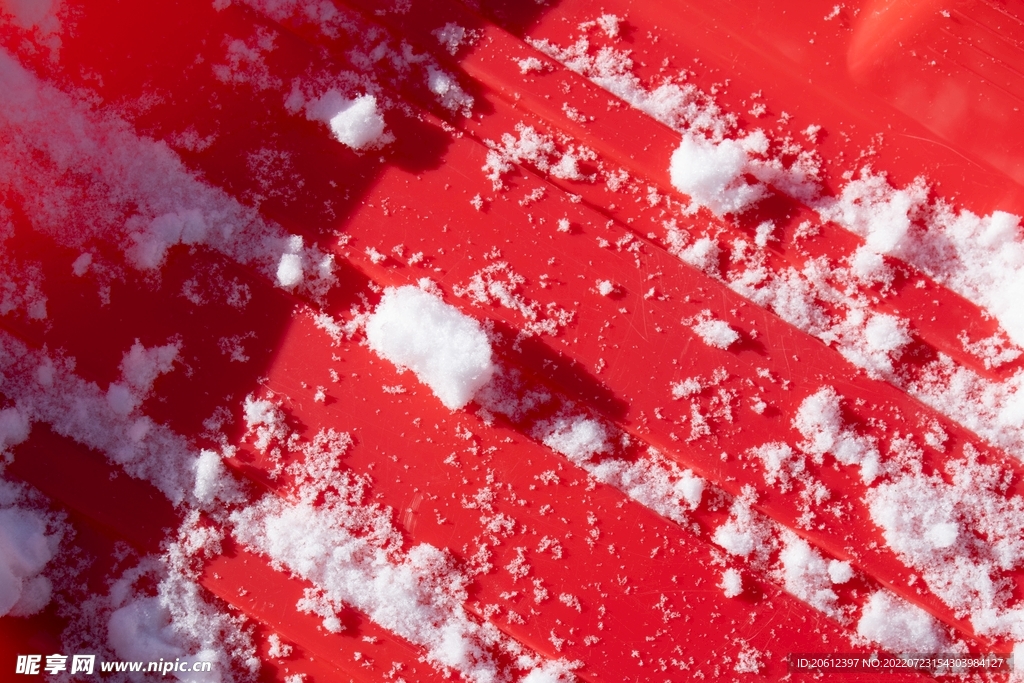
[712, 173]
[820, 422]
[716, 333]
[577, 438]
[899, 626]
[29, 536]
[356, 123]
[446, 350]
[732, 583]
[25, 548]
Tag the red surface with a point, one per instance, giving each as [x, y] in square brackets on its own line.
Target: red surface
[612, 358]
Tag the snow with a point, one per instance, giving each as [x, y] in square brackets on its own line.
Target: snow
[14, 427]
[499, 284]
[654, 481]
[538, 149]
[356, 123]
[712, 174]
[743, 532]
[265, 421]
[818, 299]
[528, 64]
[278, 648]
[289, 270]
[446, 350]
[156, 609]
[366, 50]
[885, 333]
[49, 392]
[820, 422]
[839, 572]
[763, 234]
[25, 549]
[782, 465]
[578, 438]
[33, 13]
[926, 520]
[246, 61]
[805, 574]
[680, 106]
[876, 342]
[702, 253]
[872, 341]
[329, 534]
[550, 672]
[962, 535]
[715, 333]
[141, 631]
[452, 37]
[748, 659]
[708, 165]
[589, 442]
[140, 196]
[609, 23]
[993, 410]
[732, 583]
[898, 626]
[213, 482]
[686, 387]
[140, 366]
[448, 91]
[979, 257]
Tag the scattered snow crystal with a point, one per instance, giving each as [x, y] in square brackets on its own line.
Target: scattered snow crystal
[142, 630]
[140, 366]
[265, 421]
[140, 196]
[528, 64]
[177, 622]
[212, 480]
[872, 341]
[452, 37]
[448, 91]
[744, 532]
[447, 350]
[348, 548]
[782, 464]
[49, 392]
[609, 23]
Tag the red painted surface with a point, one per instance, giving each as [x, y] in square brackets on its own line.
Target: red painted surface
[866, 76]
